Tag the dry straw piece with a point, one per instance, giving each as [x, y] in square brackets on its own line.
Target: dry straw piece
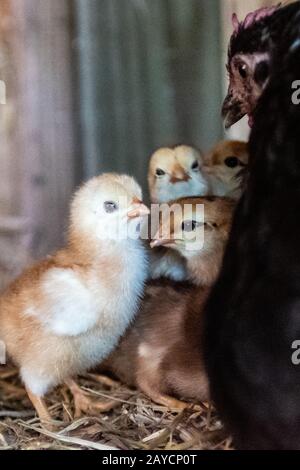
[134, 423]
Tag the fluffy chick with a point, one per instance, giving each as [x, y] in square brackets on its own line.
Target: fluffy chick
[160, 353]
[224, 165]
[164, 262]
[65, 314]
[173, 173]
[197, 230]
[176, 172]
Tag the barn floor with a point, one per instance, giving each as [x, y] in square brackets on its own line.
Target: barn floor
[135, 422]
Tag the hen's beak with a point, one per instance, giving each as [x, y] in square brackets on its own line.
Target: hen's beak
[139, 211]
[231, 110]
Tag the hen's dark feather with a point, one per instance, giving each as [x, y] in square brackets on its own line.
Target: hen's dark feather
[253, 314]
[263, 34]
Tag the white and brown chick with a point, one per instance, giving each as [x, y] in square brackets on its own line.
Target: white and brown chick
[66, 314]
[176, 172]
[160, 353]
[225, 164]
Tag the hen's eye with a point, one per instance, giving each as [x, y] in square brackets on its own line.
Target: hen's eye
[261, 73]
[110, 207]
[189, 225]
[231, 162]
[160, 172]
[195, 166]
[243, 70]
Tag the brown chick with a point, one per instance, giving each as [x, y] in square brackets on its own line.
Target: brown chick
[224, 165]
[164, 262]
[160, 353]
[196, 229]
[67, 313]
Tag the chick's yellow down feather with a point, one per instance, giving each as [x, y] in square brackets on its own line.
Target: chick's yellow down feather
[224, 165]
[176, 172]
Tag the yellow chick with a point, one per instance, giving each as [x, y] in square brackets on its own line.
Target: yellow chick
[224, 164]
[176, 172]
[67, 313]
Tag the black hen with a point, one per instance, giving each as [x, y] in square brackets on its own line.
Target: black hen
[252, 51]
[253, 314]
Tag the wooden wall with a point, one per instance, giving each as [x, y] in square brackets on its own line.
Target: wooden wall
[96, 85]
[8, 167]
[38, 141]
[150, 75]
[13, 250]
[46, 117]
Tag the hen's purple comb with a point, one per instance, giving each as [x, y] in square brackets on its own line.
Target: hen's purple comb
[235, 22]
[252, 17]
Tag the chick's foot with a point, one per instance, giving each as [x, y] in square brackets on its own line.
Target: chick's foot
[165, 400]
[174, 404]
[42, 411]
[83, 404]
[104, 380]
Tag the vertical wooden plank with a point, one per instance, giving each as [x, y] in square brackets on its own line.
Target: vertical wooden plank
[9, 162]
[13, 252]
[138, 89]
[124, 100]
[208, 127]
[92, 29]
[135, 90]
[161, 96]
[45, 117]
[116, 43]
[195, 63]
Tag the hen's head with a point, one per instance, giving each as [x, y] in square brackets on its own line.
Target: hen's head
[249, 57]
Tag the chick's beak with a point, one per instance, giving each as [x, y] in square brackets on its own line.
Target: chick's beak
[179, 177]
[161, 239]
[179, 174]
[231, 110]
[161, 242]
[140, 210]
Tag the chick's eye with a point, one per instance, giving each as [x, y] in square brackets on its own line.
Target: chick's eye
[110, 207]
[195, 166]
[189, 225]
[231, 162]
[160, 172]
[243, 71]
